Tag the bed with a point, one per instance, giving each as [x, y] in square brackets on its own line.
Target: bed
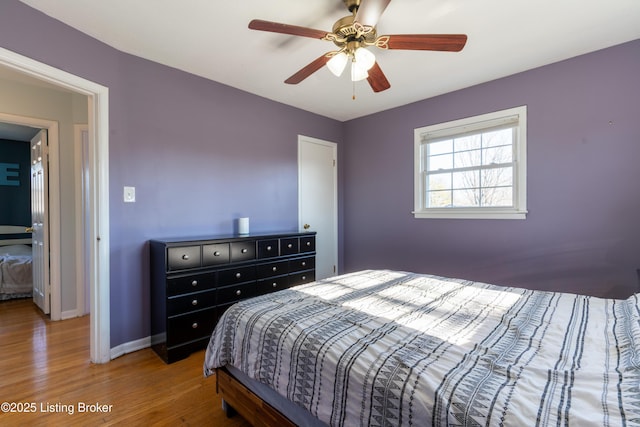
[382, 347]
[16, 277]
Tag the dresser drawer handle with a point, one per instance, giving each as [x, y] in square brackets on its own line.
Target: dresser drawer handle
[194, 283]
[269, 248]
[274, 268]
[238, 275]
[274, 284]
[244, 251]
[308, 243]
[194, 325]
[290, 245]
[303, 263]
[238, 292]
[194, 302]
[216, 253]
[185, 257]
[304, 277]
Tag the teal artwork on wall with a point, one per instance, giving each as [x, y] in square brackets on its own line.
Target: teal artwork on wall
[9, 174]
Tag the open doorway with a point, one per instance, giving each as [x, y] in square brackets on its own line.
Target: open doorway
[46, 277]
[96, 257]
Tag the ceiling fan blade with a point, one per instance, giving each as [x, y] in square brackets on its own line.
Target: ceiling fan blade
[294, 30]
[369, 11]
[440, 42]
[377, 80]
[309, 69]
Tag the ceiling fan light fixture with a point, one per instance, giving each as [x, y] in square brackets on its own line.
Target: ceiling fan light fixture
[358, 72]
[338, 63]
[365, 58]
[362, 62]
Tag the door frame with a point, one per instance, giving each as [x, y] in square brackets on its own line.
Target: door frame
[98, 215]
[302, 139]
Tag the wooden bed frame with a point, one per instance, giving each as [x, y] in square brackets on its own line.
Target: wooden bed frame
[237, 397]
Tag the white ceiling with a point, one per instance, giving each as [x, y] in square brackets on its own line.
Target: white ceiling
[17, 132]
[211, 39]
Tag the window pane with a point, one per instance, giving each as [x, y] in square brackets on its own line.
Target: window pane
[435, 148]
[470, 142]
[500, 154]
[466, 179]
[439, 181]
[497, 197]
[439, 199]
[466, 198]
[497, 177]
[443, 161]
[499, 137]
[467, 159]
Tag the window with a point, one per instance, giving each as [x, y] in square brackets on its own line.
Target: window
[473, 167]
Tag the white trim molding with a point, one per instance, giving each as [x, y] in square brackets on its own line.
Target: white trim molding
[98, 215]
[513, 120]
[130, 347]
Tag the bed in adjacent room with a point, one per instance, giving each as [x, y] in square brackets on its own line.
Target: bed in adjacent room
[382, 347]
[16, 277]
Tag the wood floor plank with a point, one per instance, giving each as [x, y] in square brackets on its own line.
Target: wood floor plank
[46, 366]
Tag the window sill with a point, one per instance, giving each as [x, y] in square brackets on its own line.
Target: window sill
[461, 213]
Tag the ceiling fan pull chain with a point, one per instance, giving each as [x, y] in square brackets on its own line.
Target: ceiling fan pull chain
[354, 91]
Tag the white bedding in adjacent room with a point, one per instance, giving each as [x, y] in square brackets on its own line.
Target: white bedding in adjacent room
[15, 271]
[397, 348]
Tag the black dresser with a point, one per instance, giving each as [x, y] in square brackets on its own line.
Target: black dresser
[194, 280]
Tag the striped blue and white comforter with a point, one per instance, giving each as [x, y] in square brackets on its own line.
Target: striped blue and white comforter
[396, 348]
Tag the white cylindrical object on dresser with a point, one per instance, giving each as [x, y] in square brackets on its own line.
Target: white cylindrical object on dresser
[243, 225]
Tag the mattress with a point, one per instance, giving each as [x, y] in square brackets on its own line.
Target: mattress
[382, 347]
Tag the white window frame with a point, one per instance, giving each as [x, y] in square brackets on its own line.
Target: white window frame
[472, 124]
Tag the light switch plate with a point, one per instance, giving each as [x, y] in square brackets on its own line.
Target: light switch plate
[129, 194]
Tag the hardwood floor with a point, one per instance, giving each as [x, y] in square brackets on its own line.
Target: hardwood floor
[45, 369]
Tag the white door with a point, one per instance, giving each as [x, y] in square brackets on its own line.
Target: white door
[318, 200]
[39, 219]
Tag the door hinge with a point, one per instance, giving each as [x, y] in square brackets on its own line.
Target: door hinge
[334, 268]
[334, 163]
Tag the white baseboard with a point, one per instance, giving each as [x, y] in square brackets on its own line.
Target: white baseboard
[130, 347]
[69, 314]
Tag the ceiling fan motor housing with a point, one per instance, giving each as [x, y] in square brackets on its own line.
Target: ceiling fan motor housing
[345, 29]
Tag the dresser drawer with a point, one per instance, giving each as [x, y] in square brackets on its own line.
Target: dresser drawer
[235, 293]
[190, 283]
[237, 275]
[268, 248]
[307, 244]
[191, 302]
[302, 277]
[266, 286]
[243, 251]
[273, 269]
[183, 257]
[300, 264]
[191, 326]
[289, 246]
[215, 254]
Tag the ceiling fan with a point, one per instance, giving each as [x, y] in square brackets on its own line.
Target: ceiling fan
[352, 35]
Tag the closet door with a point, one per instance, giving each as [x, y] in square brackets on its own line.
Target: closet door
[318, 200]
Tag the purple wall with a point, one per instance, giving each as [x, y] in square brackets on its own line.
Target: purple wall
[582, 233]
[199, 153]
